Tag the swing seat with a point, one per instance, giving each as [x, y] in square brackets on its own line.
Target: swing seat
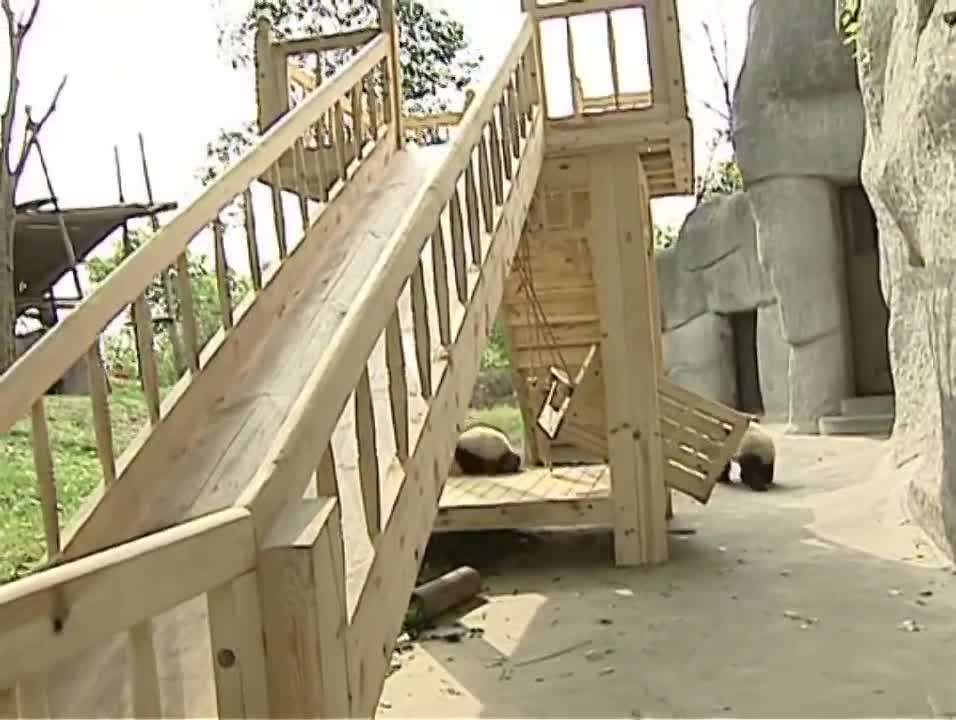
[558, 399]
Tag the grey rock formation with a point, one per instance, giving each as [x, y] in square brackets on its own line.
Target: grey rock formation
[798, 139]
[908, 78]
[710, 273]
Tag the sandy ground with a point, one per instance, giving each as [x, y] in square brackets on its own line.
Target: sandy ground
[818, 599]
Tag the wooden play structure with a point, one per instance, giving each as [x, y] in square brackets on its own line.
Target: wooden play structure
[251, 553]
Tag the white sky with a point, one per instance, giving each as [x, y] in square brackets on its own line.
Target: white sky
[153, 66]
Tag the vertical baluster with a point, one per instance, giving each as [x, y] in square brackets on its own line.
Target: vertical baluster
[386, 93]
[321, 171]
[187, 311]
[397, 384]
[301, 184]
[358, 134]
[484, 185]
[102, 429]
[513, 114]
[423, 340]
[326, 476]
[146, 695]
[238, 649]
[252, 244]
[339, 128]
[572, 71]
[440, 278]
[222, 274]
[458, 232]
[471, 207]
[372, 102]
[278, 211]
[46, 480]
[368, 454]
[497, 183]
[612, 53]
[149, 373]
[500, 118]
[523, 102]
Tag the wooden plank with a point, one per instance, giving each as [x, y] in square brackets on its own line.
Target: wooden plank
[57, 613]
[570, 8]
[629, 361]
[394, 568]
[525, 515]
[304, 615]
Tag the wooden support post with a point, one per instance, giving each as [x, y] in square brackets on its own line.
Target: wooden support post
[629, 358]
[304, 615]
[657, 313]
[389, 23]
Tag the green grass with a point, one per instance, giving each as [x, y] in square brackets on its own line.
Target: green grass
[506, 418]
[76, 467]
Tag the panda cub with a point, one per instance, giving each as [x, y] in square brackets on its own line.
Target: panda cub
[484, 450]
[755, 455]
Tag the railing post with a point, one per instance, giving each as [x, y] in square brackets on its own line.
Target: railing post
[389, 22]
[304, 616]
[537, 69]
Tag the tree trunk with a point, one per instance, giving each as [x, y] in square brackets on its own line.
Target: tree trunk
[8, 312]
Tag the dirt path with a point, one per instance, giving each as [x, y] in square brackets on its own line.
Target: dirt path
[816, 600]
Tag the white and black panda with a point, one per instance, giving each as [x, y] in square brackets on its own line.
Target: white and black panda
[484, 450]
[755, 456]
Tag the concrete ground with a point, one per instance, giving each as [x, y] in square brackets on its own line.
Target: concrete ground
[817, 599]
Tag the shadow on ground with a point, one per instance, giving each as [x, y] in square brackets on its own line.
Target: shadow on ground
[815, 600]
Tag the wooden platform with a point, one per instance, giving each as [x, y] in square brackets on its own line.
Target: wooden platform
[568, 496]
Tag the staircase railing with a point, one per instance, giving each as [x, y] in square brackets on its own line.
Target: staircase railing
[282, 638]
[283, 158]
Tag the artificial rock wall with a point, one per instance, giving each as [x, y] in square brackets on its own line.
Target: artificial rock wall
[710, 273]
[907, 73]
[779, 246]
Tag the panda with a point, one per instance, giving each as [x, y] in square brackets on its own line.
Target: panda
[484, 450]
[755, 455]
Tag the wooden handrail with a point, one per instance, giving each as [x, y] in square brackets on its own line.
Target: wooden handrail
[302, 438]
[57, 351]
[60, 612]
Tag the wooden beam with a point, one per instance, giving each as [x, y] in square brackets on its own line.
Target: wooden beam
[582, 7]
[538, 514]
[58, 613]
[305, 618]
[400, 547]
[629, 358]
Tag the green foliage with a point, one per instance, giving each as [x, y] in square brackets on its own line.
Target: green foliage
[665, 236]
[435, 56]
[434, 48]
[850, 21]
[77, 470]
[120, 349]
[723, 178]
[496, 351]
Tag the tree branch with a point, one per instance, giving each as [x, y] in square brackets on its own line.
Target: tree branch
[28, 23]
[6, 126]
[34, 128]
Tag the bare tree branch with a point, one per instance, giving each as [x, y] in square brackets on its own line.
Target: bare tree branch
[6, 127]
[28, 23]
[34, 128]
